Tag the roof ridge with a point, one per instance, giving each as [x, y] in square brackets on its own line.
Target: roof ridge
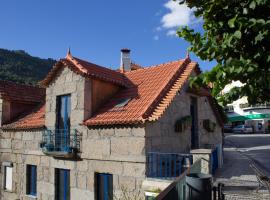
[154, 66]
[77, 60]
[87, 69]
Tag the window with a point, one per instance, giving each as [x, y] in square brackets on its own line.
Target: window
[229, 108]
[63, 112]
[104, 186]
[62, 184]
[62, 137]
[31, 180]
[8, 176]
[122, 102]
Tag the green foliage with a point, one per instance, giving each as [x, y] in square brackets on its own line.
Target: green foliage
[236, 35]
[20, 67]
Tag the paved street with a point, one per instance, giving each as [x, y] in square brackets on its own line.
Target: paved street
[239, 152]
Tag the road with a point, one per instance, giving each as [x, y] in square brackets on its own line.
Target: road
[240, 150]
[256, 147]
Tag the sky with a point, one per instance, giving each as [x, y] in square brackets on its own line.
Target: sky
[96, 30]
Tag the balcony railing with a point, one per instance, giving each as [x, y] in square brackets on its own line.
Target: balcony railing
[167, 165]
[60, 143]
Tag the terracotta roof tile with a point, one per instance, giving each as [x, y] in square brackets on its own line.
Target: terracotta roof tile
[150, 91]
[86, 69]
[22, 93]
[153, 89]
[33, 120]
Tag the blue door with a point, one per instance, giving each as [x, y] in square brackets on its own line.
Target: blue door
[104, 183]
[63, 123]
[62, 182]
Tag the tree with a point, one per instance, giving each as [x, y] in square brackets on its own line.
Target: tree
[236, 35]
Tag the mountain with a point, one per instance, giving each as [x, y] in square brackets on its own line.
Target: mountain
[20, 67]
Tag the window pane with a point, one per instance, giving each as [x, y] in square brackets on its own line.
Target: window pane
[8, 178]
[31, 180]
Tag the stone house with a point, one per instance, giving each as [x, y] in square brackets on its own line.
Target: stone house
[90, 130]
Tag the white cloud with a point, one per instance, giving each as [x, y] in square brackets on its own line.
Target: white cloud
[156, 37]
[171, 33]
[179, 15]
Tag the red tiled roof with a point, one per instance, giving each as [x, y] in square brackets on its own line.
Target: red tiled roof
[22, 93]
[86, 69]
[34, 120]
[150, 90]
[153, 90]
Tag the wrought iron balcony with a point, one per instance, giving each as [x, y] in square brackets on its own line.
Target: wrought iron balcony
[60, 143]
[167, 165]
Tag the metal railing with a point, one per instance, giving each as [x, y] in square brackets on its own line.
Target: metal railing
[167, 165]
[177, 189]
[66, 141]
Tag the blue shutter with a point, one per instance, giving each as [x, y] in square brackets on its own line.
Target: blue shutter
[34, 180]
[62, 191]
[105, 178]
[104, 186]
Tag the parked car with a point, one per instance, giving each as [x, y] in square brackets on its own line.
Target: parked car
[227, 128]
[243, 129]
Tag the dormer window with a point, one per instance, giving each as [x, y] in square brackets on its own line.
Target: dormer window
[122, 102]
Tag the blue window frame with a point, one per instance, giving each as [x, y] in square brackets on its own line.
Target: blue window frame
[63, 123]
[62, 184]
[31, 181]
[104, 186]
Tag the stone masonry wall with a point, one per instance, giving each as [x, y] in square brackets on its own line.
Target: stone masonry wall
[68, 82]
[118, 151]
[161, 136]
[205, 112]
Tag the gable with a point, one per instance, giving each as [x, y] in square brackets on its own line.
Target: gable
[87, 70]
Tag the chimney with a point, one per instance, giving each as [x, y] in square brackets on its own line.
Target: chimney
[125, 60]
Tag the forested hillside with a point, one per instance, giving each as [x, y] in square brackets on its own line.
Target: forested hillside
[18, 66]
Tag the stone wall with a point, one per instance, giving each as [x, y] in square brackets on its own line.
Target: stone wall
[20, 148]
[68, 82]
[205, 112]
[118, 151]
[161, 135]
